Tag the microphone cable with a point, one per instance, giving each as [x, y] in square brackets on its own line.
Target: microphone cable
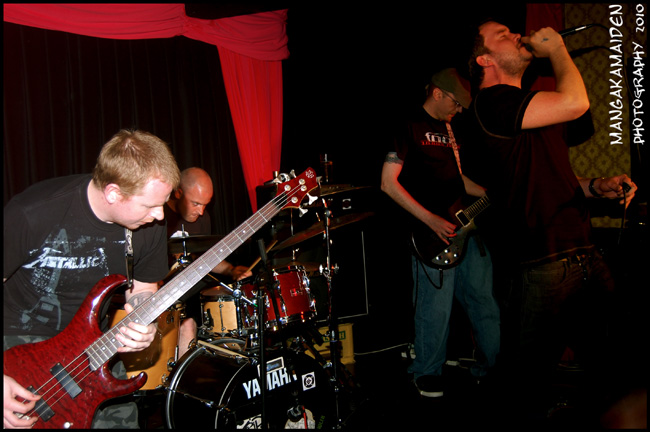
[626, 189]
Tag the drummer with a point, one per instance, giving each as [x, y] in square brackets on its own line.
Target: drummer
[186, 210]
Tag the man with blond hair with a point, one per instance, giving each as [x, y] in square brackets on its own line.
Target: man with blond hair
[63, 235]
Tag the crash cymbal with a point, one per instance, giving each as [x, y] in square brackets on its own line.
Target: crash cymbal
[310, 267]
[318, 228]
[193, 244]
[217, 291]
[334, 189]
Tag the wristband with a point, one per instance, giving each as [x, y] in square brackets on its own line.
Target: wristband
[592, 190]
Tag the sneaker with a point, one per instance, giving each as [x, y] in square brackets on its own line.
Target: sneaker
[429, 385]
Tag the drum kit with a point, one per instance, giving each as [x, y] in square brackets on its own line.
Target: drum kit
[263, 323]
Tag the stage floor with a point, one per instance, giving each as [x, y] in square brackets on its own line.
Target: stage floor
[380, 394]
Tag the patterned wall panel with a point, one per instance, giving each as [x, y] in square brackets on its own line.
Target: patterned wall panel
[598, 53]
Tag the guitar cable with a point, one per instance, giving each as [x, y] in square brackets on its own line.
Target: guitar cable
[429, 277]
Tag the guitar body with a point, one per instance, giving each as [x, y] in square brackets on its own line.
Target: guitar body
[432, 251]
[30, 365]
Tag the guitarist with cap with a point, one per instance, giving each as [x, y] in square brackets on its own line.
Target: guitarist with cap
[422, 174]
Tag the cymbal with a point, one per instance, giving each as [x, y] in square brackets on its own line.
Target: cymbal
[318, 228]
[333, 189]
[216, 291]
[193, 244]
[310, 267]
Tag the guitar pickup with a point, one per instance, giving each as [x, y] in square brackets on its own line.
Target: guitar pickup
[41, 407]
[462, 217]
[66, 381]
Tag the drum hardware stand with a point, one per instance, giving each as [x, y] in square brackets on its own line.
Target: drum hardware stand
[269, 284]
[333, 327]
[338, 369]
[238, 299]
[265, 279]
[237, 295]
[184, 259]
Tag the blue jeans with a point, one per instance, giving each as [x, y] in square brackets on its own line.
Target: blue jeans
[471, 283]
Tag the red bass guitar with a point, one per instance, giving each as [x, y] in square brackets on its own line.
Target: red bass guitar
[70, 370]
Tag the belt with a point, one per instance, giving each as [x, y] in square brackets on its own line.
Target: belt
[580, 258]
[577, 258]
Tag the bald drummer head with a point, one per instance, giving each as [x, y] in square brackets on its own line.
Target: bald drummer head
[193, 194]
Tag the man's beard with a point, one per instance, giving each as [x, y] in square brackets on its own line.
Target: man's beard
[511, 63]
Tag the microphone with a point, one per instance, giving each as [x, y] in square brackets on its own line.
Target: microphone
[566, 32]
[574, 30]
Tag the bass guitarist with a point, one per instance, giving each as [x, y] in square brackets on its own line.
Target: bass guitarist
[422, 174]
[61, 237]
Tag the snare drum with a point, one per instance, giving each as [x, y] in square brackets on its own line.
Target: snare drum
[159, 358]
[219, 312]
[292, 298]
[210, 390]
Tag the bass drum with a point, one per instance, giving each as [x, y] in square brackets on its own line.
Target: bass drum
[212, 390]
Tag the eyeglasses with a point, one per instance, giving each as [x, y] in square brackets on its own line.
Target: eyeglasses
[458, 105]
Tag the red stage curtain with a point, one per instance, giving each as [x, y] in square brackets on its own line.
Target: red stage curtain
[255, 88]
[540, 15]
[251, 45]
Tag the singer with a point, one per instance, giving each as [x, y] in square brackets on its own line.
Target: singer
[558, 281]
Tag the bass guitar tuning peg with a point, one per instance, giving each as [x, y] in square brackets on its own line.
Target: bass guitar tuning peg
[311, 199]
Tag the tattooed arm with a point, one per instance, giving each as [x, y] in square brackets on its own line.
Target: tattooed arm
[137, 337]
[391, 186]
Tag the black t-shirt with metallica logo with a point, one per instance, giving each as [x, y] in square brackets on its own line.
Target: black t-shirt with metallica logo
[56, 250]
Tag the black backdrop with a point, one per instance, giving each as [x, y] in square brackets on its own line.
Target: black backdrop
[65, 95]
[353, 69]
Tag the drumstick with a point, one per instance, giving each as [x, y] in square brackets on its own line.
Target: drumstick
[223, 350]
[260, 258]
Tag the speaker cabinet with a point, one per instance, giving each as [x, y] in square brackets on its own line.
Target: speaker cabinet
[349, 282]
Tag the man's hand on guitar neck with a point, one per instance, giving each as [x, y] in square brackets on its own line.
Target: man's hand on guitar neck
[136, 337]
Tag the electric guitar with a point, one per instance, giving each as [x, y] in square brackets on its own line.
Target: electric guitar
[433, 252]
[70, 370]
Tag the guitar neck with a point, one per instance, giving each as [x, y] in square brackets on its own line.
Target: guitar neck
[477, 207]
[106, 346]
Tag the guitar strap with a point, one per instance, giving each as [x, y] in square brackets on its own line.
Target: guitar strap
[128, 256]
[452, 139]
